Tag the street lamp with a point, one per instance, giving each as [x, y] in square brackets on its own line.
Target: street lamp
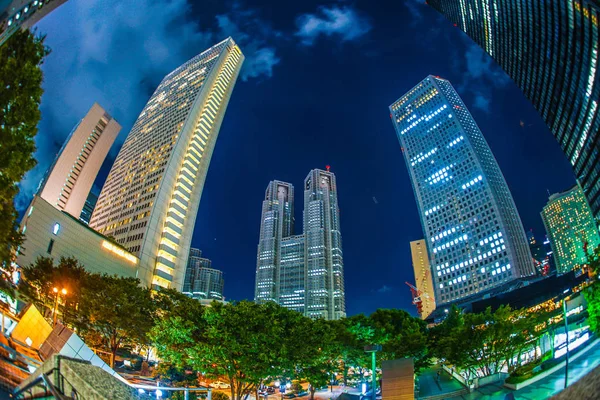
[373, 349]
[56, 294]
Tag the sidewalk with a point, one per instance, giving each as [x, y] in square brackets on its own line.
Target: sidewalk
[430, 387]
[546, 387]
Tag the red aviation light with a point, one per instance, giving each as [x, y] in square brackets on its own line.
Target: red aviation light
[327, 167]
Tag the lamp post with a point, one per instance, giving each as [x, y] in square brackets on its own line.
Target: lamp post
[56, 293]
[373, 349]
[566, 335]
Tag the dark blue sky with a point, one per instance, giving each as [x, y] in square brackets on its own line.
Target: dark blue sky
[318, 79]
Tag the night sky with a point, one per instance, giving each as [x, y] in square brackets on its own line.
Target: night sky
[314, 91]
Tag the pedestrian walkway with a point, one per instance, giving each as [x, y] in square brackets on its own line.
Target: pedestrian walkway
[544, 388]
[430, 387]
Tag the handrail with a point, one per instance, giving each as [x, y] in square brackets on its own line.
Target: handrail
[42, 378]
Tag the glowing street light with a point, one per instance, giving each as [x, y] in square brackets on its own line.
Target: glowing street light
[56, 294]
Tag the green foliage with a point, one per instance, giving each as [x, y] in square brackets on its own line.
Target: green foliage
[20, 95]
[592, 294]
[219, 396]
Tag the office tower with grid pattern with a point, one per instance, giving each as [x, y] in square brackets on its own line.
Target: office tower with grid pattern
[550, 49]
[69, 179]
[571, 229]
[201, 280]
[23, 14]
[88, 208]
[324, 284]
[291, 273]
[423, 280]
[277, 222]
[151, 196]
[475, 238]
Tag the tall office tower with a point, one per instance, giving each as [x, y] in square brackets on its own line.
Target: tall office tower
[151, 196]
[550, 49]
[69, 179]
[324, 285]
[88, 208]
[474, 235]
[291, 273]
[277, 222]
[423, 280]
[23, 14]
[571, 229]
[201, 280]
[538, 253]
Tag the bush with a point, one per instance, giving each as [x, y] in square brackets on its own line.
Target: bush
[219, 396]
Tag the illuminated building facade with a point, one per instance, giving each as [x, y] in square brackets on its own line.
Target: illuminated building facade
[201, 280]
[550, 49]
[424, 283]
[151, 196]
[304, 272]
[23, 14]
[69, 179]
[475, 238]
[571, 229]
[277, 222]
[88, 208]
[50, 232]
[324, 286]
[291, 273]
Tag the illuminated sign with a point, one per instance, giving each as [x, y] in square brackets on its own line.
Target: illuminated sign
[119, 251]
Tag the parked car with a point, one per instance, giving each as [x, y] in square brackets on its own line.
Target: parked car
[220, 385]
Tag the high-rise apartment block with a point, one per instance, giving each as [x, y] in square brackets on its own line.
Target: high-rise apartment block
[69, 179]
[571, 229]
[202, 282]
[151, 196]
[23, 14]
[475, 238]
[304, 272]
[423, 280]
[550, 49]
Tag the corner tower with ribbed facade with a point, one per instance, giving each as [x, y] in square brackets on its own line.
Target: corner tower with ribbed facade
[550, 49]
[475, 238]
[151, 196]
[324, 288]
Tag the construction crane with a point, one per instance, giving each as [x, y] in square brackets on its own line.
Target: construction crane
[416, 297]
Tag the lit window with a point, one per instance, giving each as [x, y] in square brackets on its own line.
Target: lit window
[56, 228]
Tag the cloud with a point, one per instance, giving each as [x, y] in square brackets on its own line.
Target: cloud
[116, 52]
[384, 289]
[375, 200]
[341, 21]
[415, 9]
[480, 76]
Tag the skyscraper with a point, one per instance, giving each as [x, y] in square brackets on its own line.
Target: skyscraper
[23, 14]
[571, 229]
[151, 196]
[88, 208]
[277, 222]
[423, 280]
[324, 286]
[474, 235]
[550, 49]
[304, 272]
[69, 179]
[201, 280]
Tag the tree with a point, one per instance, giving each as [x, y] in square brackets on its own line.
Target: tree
[401, 335]
[352, 334]
[40, 278]
[246, 342]
[115, 310]
[592, 294]
[317, 360]
[20, 96]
